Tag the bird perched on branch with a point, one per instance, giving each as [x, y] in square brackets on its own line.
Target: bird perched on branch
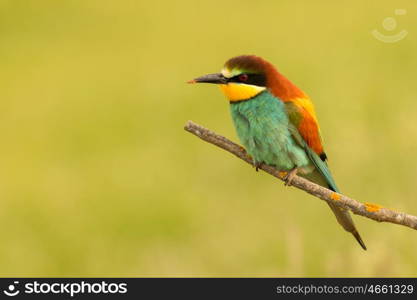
[277, 124]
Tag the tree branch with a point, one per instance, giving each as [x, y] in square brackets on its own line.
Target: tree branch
[368, 210]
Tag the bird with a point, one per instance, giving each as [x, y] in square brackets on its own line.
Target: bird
[277, 124]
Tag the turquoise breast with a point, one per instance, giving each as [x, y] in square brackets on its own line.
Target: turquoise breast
[262, 127]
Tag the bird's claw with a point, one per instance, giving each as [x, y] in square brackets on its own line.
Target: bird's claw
[290, 176]
[257, 165]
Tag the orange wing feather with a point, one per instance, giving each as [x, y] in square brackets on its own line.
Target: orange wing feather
[310, 132]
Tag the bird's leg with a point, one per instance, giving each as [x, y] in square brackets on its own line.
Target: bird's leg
[290, 176]
[257, 165]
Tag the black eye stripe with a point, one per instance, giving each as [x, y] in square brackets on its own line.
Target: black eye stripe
[253, 79]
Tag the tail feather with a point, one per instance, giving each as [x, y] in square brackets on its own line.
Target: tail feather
[359, 239]
[345, 220]
[342, 215]
[322, 176]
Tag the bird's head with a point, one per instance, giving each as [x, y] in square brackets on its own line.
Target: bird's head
[242, 77]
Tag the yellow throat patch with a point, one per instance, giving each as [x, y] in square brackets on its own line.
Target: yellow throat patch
[240, 91]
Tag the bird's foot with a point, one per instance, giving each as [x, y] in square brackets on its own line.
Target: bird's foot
[255, 164]
[290, 176]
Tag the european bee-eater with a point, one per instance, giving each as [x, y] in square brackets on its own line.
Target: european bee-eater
[276, 123]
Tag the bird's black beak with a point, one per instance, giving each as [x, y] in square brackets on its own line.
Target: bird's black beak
[216, 78]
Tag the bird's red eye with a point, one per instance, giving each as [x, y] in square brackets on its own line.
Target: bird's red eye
[243, 77]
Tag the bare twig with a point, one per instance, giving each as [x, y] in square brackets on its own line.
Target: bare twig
[371, 211]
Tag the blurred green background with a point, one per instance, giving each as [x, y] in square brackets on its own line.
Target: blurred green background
[98, 177]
